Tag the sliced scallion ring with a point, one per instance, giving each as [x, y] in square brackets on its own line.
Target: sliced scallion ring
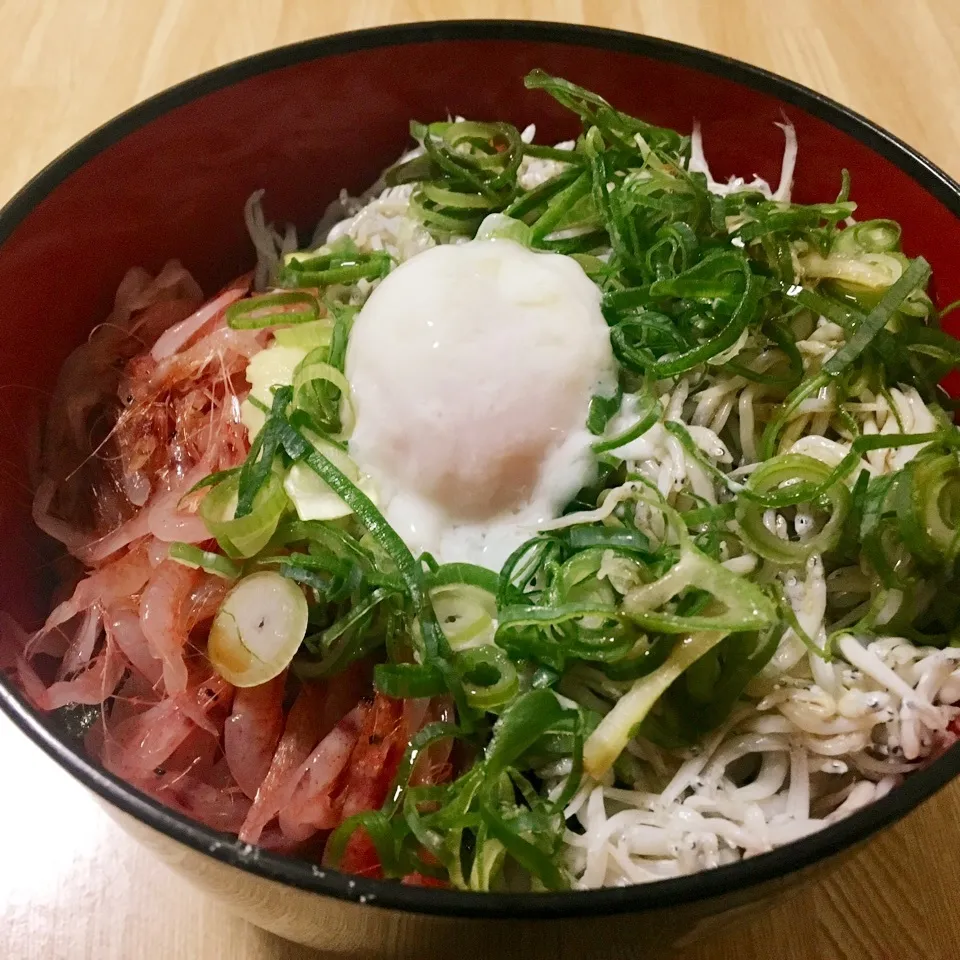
[868, 236]
[258, 629]
[928, 506]
[467, 614]
[489, 678]
[791, 468]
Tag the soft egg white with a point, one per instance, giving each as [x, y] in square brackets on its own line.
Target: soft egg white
[472, 367]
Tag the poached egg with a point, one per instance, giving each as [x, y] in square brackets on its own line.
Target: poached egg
[471, 368]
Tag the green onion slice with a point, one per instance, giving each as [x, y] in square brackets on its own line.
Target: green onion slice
[786, 470]
[272, 309]
[489, 678]
[192, 556]
[241, 537]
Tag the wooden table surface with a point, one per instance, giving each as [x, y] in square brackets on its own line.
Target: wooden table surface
[72, 885]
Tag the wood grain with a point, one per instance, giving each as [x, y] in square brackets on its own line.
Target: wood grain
[72, 887]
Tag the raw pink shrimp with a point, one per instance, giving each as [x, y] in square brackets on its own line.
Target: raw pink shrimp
[142, 742]
[194, 779]
[205, 599]
[415, 712]
[84, 641]
[122, 623]
[92, 685]
[208, 704]
[433, 766]
[312, 804]
[300, 735]
[88, 381]
[222, 809]
[370, 771]
[122, 578]
[229, 349]
[252, 732]
[376, 756]
[162, 516]
[96, 549]
[167, 521]
[338, 697]
[175, 337]
[372, 768]
[162, 618]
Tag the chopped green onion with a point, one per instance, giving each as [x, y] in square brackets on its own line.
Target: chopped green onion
[787, 470]
[489, 678]
[241, 537]
[436, 647]
[191, 556]
[914, 278]
[648, 412]
[341, 263]
[260, 462]
[742, 605]
[409, 680]
[607, 742]
[312, 381]
[272, 309]
[527, 719]
[928, 506]
[868, 236]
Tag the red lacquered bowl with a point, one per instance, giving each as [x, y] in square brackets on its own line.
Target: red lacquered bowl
[169, 179]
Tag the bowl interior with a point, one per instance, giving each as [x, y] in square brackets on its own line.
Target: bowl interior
[169, 180]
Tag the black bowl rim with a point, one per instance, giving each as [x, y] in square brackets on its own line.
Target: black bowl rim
[728, 879]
